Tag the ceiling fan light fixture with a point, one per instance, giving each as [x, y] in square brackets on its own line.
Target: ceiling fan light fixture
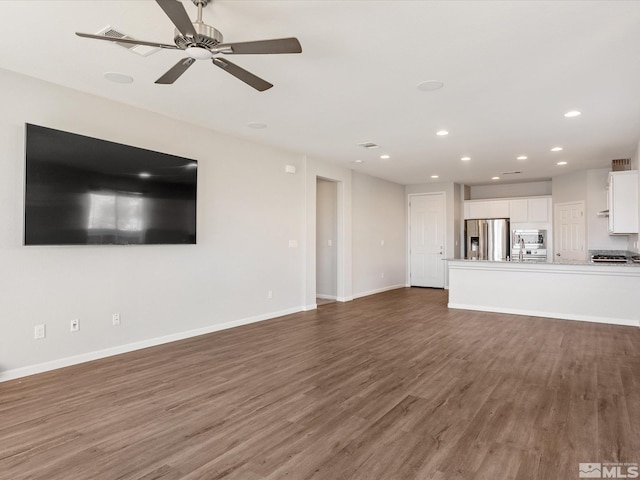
[198, 53]
[430, 85]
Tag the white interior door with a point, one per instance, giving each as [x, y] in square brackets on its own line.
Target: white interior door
[426, 244]
[569, 227]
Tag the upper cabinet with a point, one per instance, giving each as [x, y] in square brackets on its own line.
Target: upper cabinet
[623, 202]
[521, 210]
[486, 209]
[532, 210]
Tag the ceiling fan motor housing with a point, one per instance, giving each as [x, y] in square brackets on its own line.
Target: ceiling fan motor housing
[206, 37]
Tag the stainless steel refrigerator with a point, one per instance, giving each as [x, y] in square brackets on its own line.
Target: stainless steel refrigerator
[487, 239]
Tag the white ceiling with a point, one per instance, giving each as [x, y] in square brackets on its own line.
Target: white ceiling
[511, 69]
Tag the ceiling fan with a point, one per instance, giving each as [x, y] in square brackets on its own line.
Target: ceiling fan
[203, 42]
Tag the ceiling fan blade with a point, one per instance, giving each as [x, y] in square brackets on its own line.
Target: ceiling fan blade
[178, 15]
[278, 45]
[174, 72]
[126, 40]
[242, 74]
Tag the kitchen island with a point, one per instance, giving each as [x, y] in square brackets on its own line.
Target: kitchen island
[574, 291]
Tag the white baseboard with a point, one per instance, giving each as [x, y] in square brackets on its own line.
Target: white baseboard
[344, 299]
[377, 290]
[326, 297]
[130, 347]
[562, 316]
[307, 308]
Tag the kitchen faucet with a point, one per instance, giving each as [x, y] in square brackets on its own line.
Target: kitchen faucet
[521, 253]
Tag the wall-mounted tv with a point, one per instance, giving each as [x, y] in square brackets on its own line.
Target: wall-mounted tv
[85, 191]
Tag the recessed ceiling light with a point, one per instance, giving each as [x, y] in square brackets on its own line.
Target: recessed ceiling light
[257, 125]
[435, 176]
[465, 159]
[144, 174]
[556, 149]
[495, 178]
[572, 113]
[442, 133]
[522, 157]
[561, 163]
[358, 161]
[118, 77]
[385, 157]
[430, 85]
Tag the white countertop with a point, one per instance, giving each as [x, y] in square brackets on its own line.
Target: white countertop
[583, 266]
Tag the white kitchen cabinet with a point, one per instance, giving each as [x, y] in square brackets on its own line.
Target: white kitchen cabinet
[539, 209]
[530, 210]
[498, 209]
[478, 210]
[486, 209]
[623, 202]
[519, 210]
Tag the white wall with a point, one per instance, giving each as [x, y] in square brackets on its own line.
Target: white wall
[589, 186]
[507, 190]
[570, 187]
[326, 234]
[248, 211]
[379, 216]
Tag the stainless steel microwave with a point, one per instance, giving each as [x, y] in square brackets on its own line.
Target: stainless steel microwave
[530, 238]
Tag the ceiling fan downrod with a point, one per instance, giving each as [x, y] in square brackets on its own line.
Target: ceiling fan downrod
[200, 4]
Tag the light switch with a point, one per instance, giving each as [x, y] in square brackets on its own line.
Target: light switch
[293, 243]
[330, 243]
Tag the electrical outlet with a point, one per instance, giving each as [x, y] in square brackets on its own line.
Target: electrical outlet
[75, 325]
[39, 331]
[270, 294]
[382, 275]
[115, 319]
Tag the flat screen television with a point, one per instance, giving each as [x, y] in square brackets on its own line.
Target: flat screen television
[85, 191]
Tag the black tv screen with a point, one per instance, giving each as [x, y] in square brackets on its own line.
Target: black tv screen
[85, 191]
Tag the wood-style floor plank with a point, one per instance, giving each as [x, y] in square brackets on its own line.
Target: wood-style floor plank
[393, 386]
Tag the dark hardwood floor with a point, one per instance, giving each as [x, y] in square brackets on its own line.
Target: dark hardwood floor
[392, 386]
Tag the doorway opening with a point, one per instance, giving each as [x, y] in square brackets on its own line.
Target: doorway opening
[326, 241]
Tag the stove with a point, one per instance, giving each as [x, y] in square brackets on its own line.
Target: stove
[609, 258]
